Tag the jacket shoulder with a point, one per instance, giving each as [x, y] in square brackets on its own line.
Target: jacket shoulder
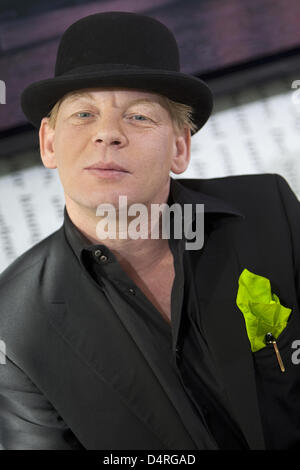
[231, 183]
[28, 263]
[246, 192]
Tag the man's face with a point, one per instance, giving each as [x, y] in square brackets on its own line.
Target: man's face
[114, 126]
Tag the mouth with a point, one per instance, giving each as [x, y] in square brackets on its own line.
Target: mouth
[106, 166]
[107, 171]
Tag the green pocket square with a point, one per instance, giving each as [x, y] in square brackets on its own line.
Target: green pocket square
[262, 310]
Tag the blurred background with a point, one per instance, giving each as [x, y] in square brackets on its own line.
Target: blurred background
[248, 51]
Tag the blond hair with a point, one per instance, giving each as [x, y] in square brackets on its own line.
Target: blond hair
[181, 114]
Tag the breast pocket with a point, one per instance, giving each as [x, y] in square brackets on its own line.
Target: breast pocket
[279, 392]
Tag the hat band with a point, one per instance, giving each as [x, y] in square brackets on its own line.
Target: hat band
[106, 67]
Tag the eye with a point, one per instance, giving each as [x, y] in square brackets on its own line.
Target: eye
[84, 113]
[139, 118]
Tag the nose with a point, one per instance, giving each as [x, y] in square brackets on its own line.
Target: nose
[110, 133]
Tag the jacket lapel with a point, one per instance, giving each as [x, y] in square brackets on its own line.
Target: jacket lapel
[217, 272]
[136, 373]
[117, 354]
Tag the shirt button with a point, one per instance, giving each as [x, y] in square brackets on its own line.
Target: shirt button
[103, 258]
[98, 253]
[132, 291]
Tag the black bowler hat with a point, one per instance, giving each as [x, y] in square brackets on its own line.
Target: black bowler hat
[118, 49]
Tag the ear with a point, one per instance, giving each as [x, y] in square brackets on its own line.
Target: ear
[46, 136]
[182, 155]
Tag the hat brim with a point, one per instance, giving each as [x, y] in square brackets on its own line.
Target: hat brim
[38, 99]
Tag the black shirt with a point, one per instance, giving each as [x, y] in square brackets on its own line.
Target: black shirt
[183, 345]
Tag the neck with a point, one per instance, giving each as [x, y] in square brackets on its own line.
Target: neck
[140, 255]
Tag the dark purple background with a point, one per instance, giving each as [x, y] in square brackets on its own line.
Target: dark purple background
[212, 35]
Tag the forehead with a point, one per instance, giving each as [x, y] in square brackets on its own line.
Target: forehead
[117, 96]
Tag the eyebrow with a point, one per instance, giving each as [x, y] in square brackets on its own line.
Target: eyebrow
[85, 96]
[80, 96]
[143, 101]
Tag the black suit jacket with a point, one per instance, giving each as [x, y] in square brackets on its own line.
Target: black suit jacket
[65, 383]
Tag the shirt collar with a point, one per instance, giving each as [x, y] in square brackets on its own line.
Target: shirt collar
[179, 193]
[182, 194]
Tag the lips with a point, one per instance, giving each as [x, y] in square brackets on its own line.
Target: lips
[106, 166]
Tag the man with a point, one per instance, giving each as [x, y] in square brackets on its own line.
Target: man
[138, 343]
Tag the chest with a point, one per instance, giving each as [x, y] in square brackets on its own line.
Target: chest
[160, 294]
[157, 287]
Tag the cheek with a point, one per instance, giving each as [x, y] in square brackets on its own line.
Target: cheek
[68, 144]
[156, 150]
[160, 158]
